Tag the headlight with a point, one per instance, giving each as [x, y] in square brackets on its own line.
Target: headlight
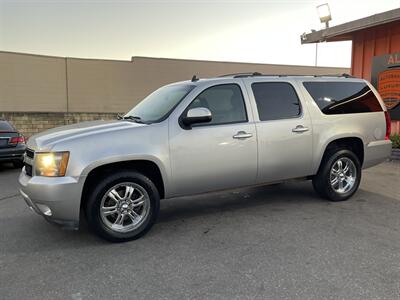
[51, 164]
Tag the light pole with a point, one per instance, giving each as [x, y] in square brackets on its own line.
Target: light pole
[324, 14]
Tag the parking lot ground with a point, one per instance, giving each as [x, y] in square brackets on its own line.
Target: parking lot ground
[269, 242]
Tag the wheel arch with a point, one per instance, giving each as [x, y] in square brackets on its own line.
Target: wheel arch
[353, 143]
[146, 167]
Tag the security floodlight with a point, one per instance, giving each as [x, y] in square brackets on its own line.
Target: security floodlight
[324, 14]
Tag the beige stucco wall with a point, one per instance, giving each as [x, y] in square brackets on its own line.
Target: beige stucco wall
[33, 83]
[101, 85]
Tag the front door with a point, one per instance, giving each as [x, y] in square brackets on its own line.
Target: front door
[217, 155]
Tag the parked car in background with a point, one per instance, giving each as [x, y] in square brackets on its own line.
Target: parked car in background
[206, 135]
[12, 144]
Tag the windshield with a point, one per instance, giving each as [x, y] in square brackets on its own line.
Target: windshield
[159, 104]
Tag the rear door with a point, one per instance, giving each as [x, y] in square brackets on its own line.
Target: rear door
[284, 129]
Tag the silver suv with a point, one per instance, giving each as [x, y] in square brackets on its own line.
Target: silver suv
[206, 135]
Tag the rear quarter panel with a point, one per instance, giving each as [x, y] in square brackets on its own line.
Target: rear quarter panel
[369, 127]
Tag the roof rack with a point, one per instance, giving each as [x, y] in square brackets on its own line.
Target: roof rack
[255, 74]
[246, 74]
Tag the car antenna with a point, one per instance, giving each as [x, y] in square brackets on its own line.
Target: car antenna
[194, 78]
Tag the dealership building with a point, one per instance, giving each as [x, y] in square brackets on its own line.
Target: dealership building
[38, 92]
[375, 54]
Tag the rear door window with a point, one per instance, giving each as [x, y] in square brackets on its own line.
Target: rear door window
[276, 100]
[343, 97]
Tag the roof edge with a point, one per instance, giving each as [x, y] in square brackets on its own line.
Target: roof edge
[350, 27]
[162, 58]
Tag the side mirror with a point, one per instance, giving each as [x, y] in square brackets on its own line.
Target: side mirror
[197, 115]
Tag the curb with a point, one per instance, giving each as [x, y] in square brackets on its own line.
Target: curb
[395, 154]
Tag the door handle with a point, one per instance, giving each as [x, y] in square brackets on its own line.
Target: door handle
[242, 135]
[300, 129]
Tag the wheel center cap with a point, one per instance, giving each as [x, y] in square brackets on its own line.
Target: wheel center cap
[124, 206]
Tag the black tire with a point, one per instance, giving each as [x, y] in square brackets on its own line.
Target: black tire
[96, 194]
[322, 181]
[18, 164]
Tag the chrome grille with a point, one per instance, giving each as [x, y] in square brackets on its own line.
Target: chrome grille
[30, 153]
[28, 161]
[28, 169]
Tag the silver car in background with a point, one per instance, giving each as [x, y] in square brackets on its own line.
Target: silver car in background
[206, 135]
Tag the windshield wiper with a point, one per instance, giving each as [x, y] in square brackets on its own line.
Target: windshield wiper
[135, 119]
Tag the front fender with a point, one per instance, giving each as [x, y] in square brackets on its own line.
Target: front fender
[130, 158]
[148, 143]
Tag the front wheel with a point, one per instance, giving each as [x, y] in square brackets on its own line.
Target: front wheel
[122, 206]
[339, 175]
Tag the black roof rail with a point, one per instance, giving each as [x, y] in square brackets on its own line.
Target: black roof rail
[254, 74]
[245, 74]
[348, 75]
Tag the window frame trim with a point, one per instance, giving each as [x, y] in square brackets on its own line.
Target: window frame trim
[183, 114]
[299, 116]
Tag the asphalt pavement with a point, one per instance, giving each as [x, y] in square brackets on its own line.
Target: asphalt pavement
[272, 242]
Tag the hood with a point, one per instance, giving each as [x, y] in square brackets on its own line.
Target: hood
[46, 140]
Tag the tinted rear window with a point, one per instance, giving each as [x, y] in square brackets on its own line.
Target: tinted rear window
[276, 100]
[343, 97]
[5, 126]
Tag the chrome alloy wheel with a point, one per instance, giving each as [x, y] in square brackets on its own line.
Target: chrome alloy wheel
[124, 207]
[343, 175]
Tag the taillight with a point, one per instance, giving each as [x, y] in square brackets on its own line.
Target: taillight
[17, 140]
[388, 125]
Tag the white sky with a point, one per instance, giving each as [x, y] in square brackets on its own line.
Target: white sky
[250, 31]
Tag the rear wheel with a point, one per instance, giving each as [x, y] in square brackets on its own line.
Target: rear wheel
[122, 206]
[339, 175]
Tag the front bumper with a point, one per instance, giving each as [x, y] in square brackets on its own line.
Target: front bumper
[57, 199]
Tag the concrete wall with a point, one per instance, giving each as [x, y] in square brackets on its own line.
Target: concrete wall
[30, 123]
[102, 86]
[34, 83]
